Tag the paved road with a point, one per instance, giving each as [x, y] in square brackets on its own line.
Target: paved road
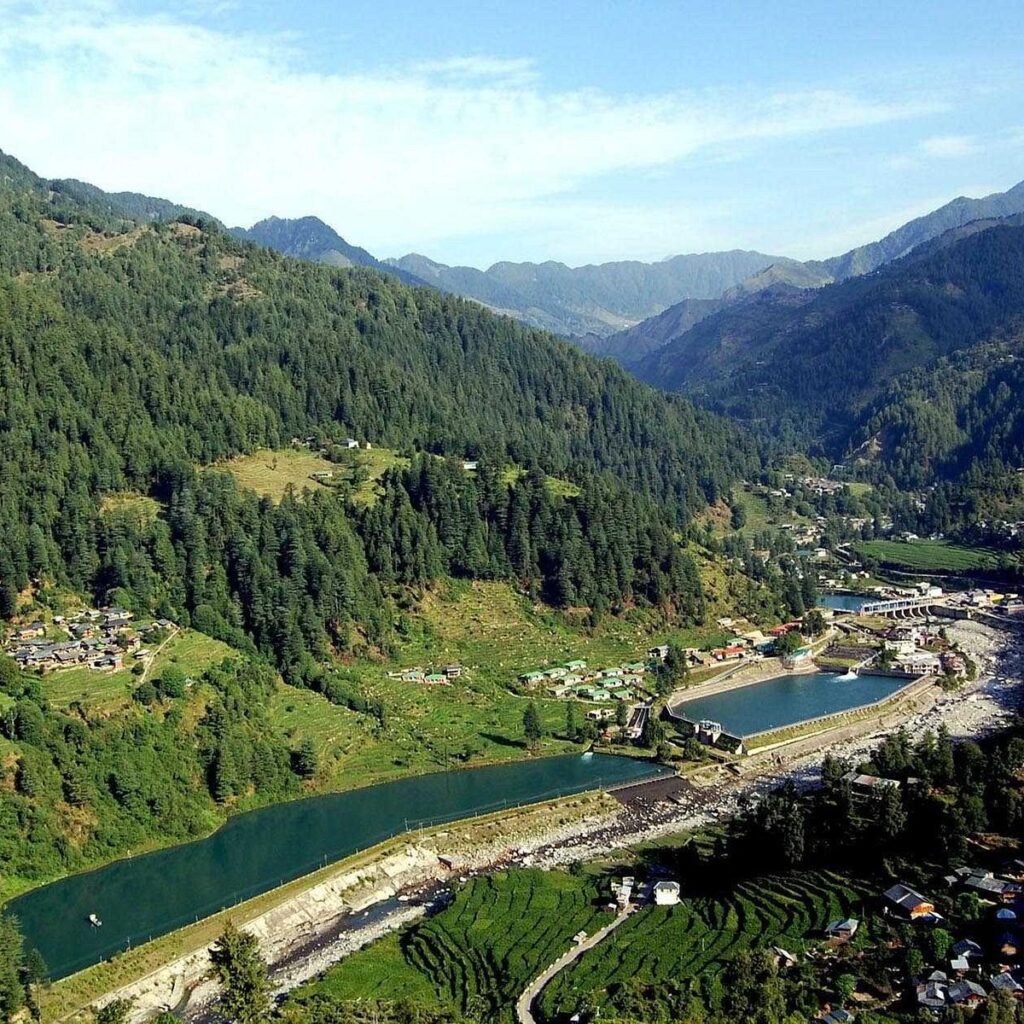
[524, 1005]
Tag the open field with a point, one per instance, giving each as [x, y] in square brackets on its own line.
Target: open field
[479, 953]
[139, 507]
[495, 635]
[271, 473]
[558, 487]
[662, 945]
[928, 555]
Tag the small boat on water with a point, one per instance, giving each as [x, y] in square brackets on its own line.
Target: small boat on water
[94, 921]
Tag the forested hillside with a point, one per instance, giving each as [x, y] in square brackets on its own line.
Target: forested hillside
[808, 366]
[131, 354]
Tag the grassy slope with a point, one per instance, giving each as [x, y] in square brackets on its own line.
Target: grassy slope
[927, 555]
[109, 691]
[479, 953]
[495, 635]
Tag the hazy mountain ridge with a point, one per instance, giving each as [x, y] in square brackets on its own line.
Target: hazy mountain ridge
[812, 365]
[596, 299]
[310, 239]
[961, 214]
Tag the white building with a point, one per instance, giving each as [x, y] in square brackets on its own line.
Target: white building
[666, 894]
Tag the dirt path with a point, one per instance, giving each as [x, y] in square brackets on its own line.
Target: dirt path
[524, 1005]
[151, 660]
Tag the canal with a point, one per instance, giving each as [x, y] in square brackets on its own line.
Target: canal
[787, 700]
[143, 897]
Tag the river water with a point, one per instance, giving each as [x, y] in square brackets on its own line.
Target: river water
[143, 897]
[786, 700]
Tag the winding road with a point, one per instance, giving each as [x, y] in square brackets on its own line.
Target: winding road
[524, 1005]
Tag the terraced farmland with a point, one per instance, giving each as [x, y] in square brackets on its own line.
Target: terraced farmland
[480, 953]
[699, 935]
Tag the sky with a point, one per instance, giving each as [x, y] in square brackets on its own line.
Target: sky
[479, 131]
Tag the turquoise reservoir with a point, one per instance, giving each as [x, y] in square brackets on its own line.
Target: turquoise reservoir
[787, 700]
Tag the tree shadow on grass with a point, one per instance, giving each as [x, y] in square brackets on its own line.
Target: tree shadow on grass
[503, 741]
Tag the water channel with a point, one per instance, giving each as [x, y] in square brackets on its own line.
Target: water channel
[143, 897]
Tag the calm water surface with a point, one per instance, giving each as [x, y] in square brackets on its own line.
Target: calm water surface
[844, 602]
[787, 700]
[153, 894]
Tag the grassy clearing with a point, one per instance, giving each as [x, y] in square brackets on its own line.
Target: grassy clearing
[372, 465]
[192, 652]
[495, 634]
[700, 935]
[928, 555]
[272, 473]
[858, 488]
[138, 507]
[556, 485]
[480, 953]
[762, 513]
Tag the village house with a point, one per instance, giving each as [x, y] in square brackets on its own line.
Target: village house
[836, 1016]
[1006, 982]
[666, 894]
[842, 930]
[868, 786]
[905, 902]
[659, 653]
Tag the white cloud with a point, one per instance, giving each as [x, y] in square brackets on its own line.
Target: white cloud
[950, 146]
[400, 158]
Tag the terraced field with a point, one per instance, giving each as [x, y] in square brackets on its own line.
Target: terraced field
[700, 935]
[480, 953]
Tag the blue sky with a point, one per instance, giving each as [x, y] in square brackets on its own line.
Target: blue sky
[474, 132]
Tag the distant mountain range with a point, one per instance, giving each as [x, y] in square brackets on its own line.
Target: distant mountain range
[597, 299]
[834, 368]
[637, 342]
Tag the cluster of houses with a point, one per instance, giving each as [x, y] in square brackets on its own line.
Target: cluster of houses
[428, 676]
[321, 447]
[917, 652]
[99, 638]
[574, 680]
[626, 892]
[974, 969]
